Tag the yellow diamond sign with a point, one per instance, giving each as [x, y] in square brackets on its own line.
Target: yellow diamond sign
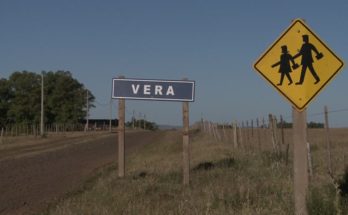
[299, 64]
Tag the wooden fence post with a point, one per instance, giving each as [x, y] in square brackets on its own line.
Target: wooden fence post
[273, 129]
[283, 141]
[235, 143]
[252, 128]
[2, 136]
[217, 132]
[282, 130]
[276, 135]
[224, 133]
[270, 127]
[309, 157]
[121, 137]
[300, 161]
[241, 136]
[247, 137]
[258, 134]
[328, 141]
[209, 128]
[214, 131]
[206, 127]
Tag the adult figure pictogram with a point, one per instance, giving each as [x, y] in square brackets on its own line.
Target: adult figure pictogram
[284, 65]
[307, 59]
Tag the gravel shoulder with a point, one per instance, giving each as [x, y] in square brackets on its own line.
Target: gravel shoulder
[37, 172]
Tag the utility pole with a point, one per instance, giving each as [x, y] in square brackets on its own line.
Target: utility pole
[87, 113]
[133, 119]
[42, 106]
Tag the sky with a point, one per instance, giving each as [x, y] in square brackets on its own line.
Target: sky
[214, 43]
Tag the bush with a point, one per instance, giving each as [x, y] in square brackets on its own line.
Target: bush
[343, 184]
[321, 201]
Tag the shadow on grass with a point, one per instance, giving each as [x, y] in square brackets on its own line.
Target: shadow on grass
[323, 200]
[343, 184]
[208, 165]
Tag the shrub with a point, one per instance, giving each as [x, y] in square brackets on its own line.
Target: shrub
[343, 184]
[321, 201]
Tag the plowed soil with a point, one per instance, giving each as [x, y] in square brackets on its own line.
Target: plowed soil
[35, 172]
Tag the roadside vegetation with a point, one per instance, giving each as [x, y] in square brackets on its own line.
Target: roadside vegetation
[223, 180]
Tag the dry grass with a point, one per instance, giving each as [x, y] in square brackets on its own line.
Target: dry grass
[223, 180]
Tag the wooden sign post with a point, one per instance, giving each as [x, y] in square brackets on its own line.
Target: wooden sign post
[299, 39]
[159, 90]
[186, 144]
[121, 136]
[300, 160]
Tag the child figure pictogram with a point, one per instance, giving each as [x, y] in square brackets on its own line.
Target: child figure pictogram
[284, 65]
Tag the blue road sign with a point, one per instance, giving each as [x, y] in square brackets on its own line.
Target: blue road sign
[162, 90]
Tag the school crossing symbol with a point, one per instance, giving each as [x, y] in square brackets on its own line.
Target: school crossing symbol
[299, 64]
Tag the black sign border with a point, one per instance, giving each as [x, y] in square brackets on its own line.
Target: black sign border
[274, 43]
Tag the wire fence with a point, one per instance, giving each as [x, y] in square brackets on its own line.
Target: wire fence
[327, 148]
[34, 129]
[13, 130]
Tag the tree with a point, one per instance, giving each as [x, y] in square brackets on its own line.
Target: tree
[5, 97]
[152, 126]
[25, 104]
[65, 98]
[315, 125]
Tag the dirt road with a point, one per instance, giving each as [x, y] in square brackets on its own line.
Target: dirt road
[34, 175]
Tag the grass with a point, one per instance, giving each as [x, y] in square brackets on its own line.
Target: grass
[222, 181]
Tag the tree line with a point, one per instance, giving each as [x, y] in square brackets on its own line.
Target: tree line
[141, 123]
[311, 124]
[64, 98]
